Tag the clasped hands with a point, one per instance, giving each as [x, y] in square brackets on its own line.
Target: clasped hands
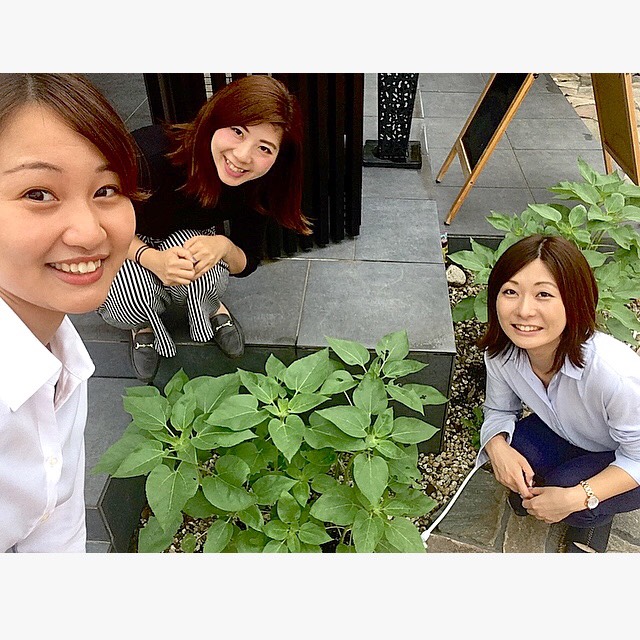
[512, 470]
[183, 265]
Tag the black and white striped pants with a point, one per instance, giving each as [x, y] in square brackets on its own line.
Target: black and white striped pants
[137, 296]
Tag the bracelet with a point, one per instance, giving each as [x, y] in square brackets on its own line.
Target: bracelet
[139, 252]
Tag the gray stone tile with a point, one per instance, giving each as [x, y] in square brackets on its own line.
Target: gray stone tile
[268, 303]
[443, 133]
[98, 547]
[364, 301]
[343, 250]
[538, 133]
[501, 170]
[91, 326]
[380, 182]
[96, 529]
[125, 91]
[448, 105]
[545, 105]
[544, 168]
[525, 535]
[141, 118]
[544, 83]
[106, 421]
[399, 231]
[452, 82]
[480, 201]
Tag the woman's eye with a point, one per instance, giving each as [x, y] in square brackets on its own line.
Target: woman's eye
[545, 294]
[267, 150]
[39, 195]
[508, 292]
[107, 191]
[236, 130]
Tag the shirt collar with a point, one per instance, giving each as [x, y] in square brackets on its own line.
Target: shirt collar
[27, 365]
[522, 363]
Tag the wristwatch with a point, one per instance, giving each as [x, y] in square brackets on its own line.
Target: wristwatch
[592, 500]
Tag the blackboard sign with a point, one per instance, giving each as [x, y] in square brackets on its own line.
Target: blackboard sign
[491, 114]
[615, 107]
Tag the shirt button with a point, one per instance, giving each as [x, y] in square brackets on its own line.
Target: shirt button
[53, 461]
[44, 518]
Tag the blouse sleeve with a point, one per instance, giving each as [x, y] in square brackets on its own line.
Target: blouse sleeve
[502, 407]
[248, 232]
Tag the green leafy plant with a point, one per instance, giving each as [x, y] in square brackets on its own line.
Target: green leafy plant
[473, 424]
[286, 461]
[601, 224]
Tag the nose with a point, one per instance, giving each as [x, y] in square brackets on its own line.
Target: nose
[243, 152]
[84, 228]
[526, 306]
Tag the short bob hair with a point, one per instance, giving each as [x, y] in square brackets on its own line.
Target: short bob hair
[576, 283]
[84, 110]
[247, 101]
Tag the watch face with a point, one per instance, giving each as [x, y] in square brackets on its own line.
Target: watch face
[592, 502]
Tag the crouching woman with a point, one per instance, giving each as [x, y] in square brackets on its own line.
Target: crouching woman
[576, 457]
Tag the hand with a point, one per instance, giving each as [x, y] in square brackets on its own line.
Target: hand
[552, 504]
[173, 266]
[207, 251]
[510, 467]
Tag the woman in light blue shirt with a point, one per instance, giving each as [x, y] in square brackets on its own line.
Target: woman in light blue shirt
[576, 457]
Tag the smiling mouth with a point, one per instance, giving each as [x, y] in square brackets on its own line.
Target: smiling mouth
[527, 328]
[77, 267]
[234, 168]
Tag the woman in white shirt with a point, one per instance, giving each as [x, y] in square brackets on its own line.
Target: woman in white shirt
[576, 458]
[67, 176]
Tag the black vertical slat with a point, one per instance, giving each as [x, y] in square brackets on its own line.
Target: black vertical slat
[336, 156]
[322, 153]
[353, 174]
[174, 97]
[218, 80]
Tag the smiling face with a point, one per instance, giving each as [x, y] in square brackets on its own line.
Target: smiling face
[531, 312]
[245, 153]
[65, 225]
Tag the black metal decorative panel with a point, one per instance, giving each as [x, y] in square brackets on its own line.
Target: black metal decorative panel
[396, 97]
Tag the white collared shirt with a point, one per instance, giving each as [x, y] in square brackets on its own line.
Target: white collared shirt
[42, 437]
[596, 408]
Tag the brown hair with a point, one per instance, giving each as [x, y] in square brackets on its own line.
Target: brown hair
[249, 100]
[576, 284]
[84, 109]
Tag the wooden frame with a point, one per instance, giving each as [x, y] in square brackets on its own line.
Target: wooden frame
[616, 114]
[471, 173]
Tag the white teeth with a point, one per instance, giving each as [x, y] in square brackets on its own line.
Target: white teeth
[526, 327]
[78, 267]
[234, 168]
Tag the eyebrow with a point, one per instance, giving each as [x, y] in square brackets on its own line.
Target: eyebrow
[46, 166]
[536, 284]
[268, 142]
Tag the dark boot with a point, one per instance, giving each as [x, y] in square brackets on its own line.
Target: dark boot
[587, 540]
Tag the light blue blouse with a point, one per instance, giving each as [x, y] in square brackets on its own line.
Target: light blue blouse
[596, 408]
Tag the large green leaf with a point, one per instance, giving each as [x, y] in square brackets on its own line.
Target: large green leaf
[405, 396]
[198, 506]
[276, 529]
[367, 531]
[338, 505]
[183, 412]
[371, 474]
[210, 392]
[338, 382]
[302, 402]
[464, 310]
[213, 437]
[350, 352]
[287, 435]
[226, 496]
[307, 374]
[249, 541]
[403, 535]
[232, 469]
[393, 346]
[219, 535]
[370, 395]
[141, 460]
[252, 517]
[400, 368]
[389, 450]
[268, 488]
[384, 423]
[411, 430]
[275, 368]
[113, 457]
[288, 508]
[238, 413]
[427, 394]
[545, 211]
[168, 490]
[351, 420]
[311, 533]
[413, 508]
[148, 412]
[265, 389]
[469, 260]
[154, 539]
[176, 383]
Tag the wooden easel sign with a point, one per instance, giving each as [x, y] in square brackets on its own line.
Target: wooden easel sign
[484, 127]
[615, 107]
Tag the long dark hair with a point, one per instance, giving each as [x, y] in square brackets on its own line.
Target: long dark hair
[576, 284]
[84, 109]
[249, 100]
